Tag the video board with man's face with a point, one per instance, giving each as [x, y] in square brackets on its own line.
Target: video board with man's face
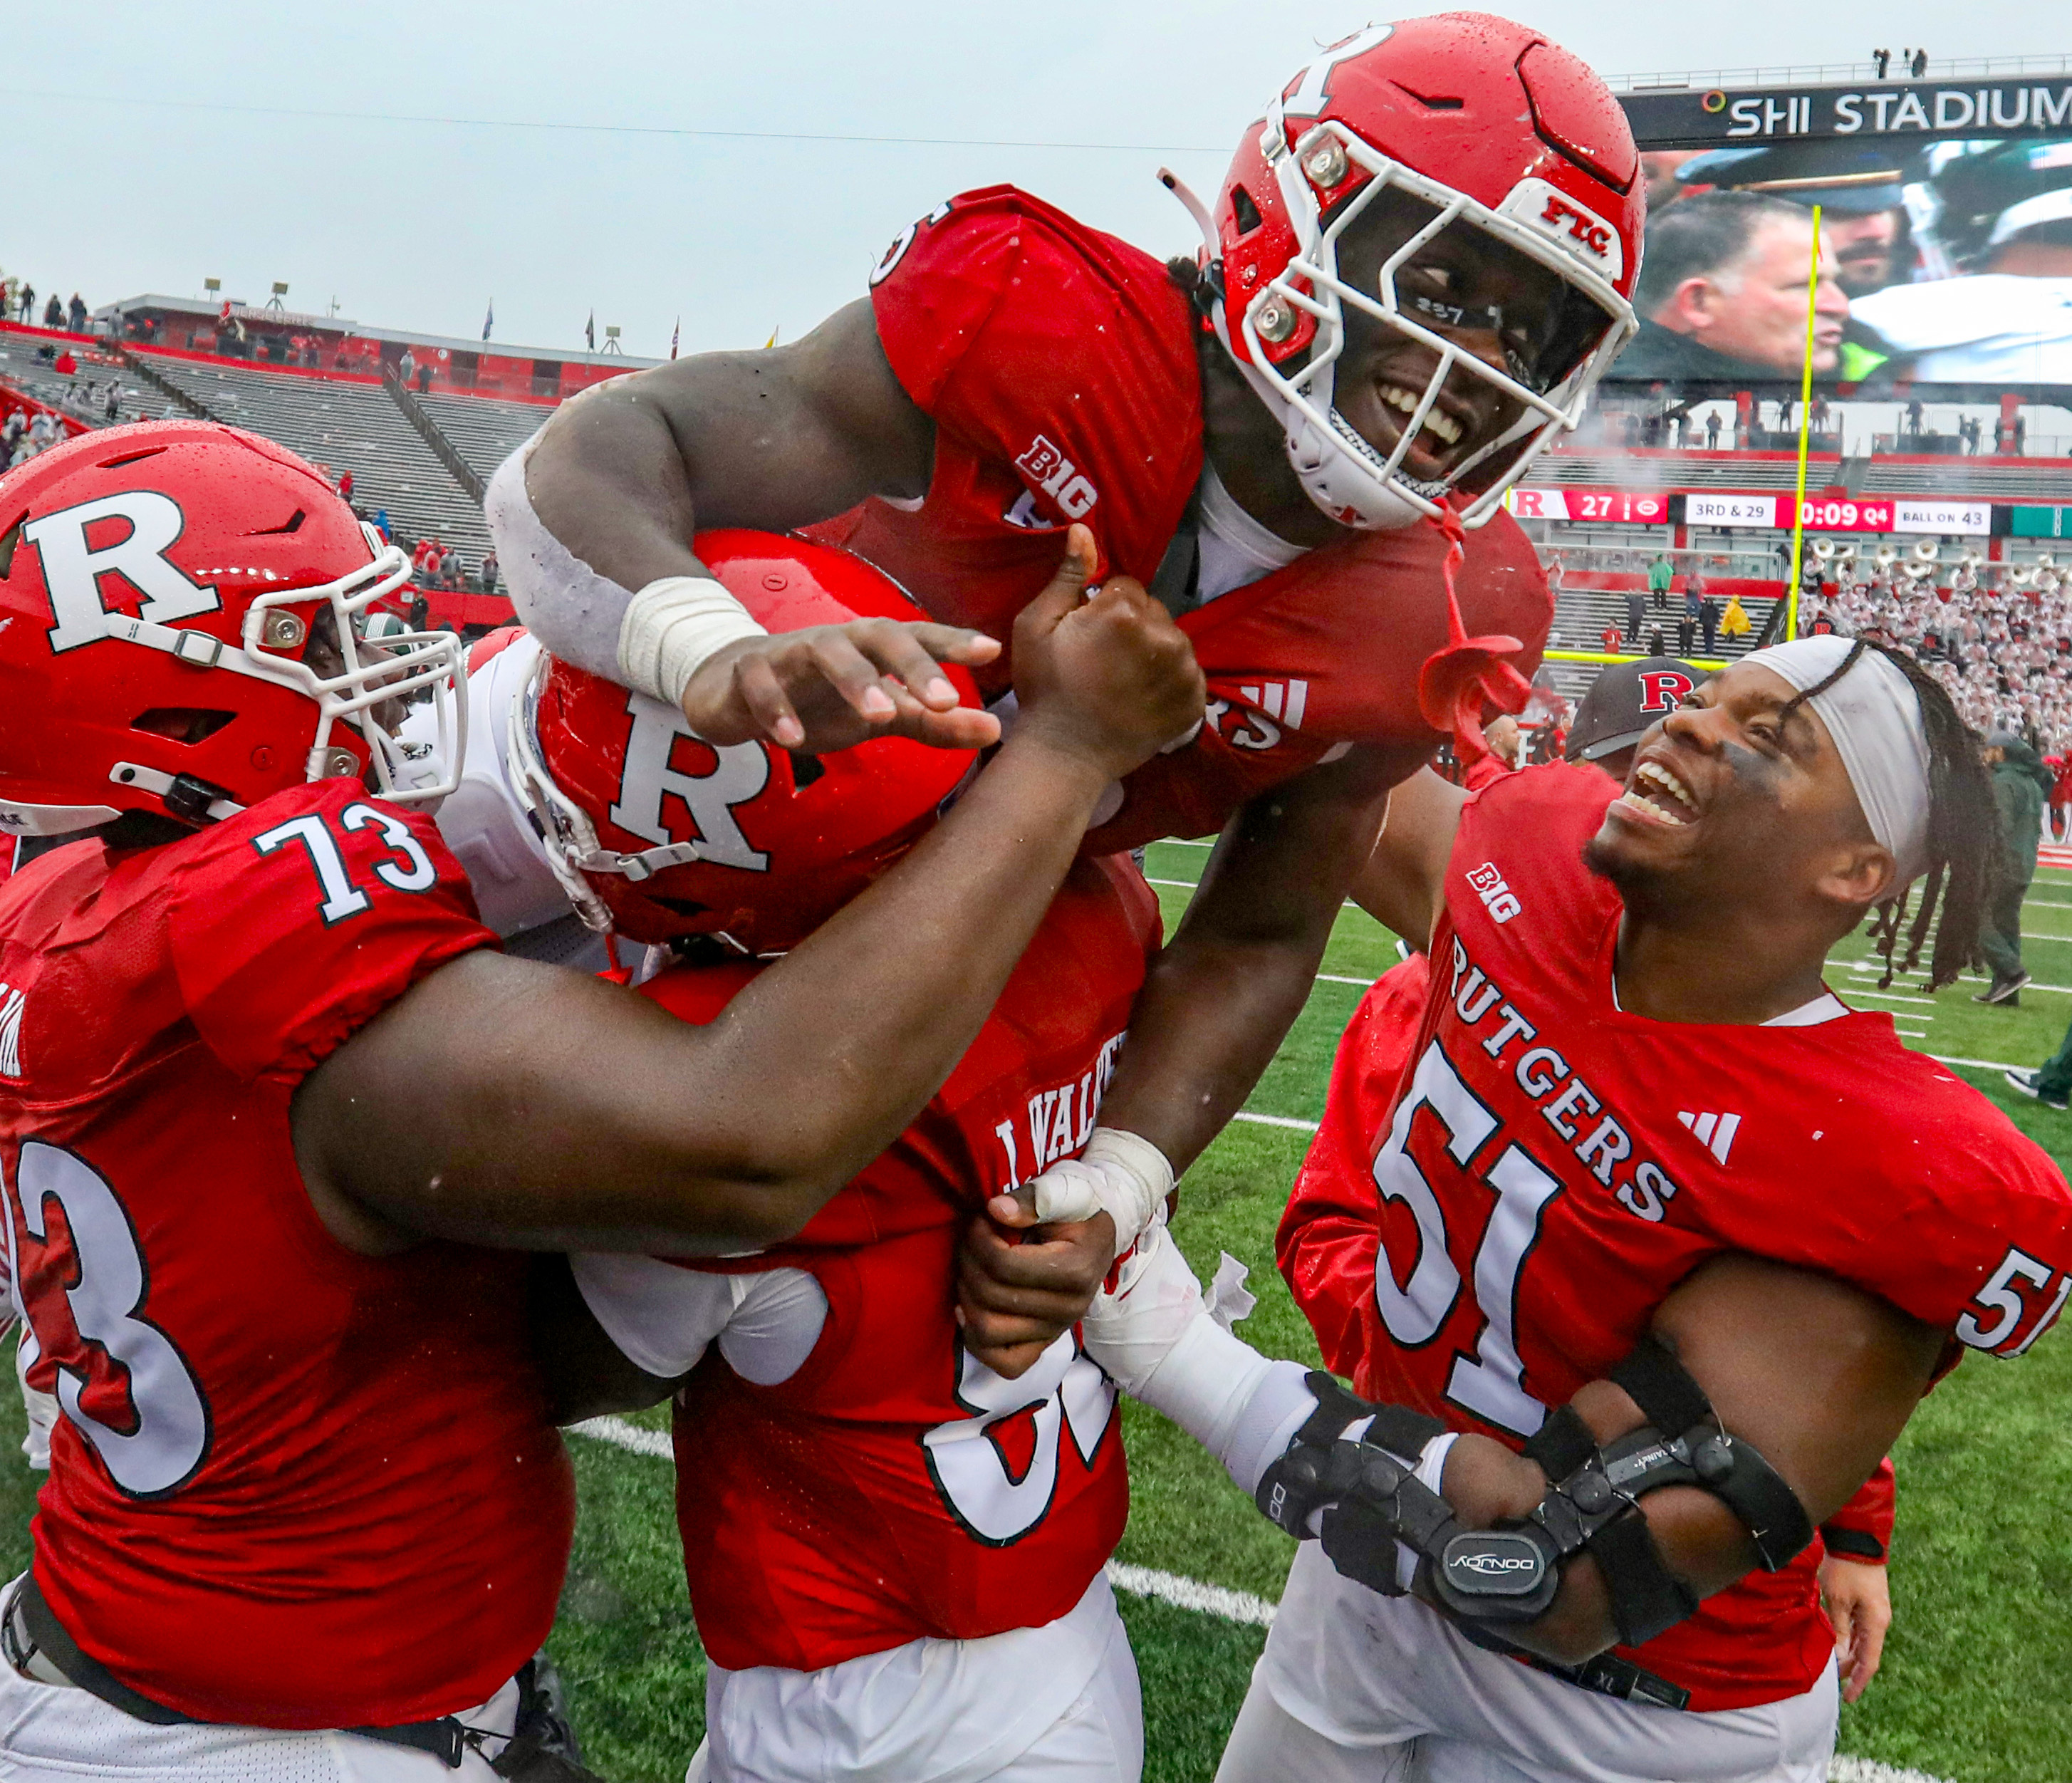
[1945, 257]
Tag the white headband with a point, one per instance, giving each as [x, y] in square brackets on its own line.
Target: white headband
[1874, 716]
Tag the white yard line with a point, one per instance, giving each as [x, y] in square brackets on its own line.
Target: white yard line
[1275, 1120]
[1873, 971]
[622, 1435]
[1192, 1594]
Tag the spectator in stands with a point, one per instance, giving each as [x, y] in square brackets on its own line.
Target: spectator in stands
[1712, 431]
[381, 526]
[1634, 608]
[424, 376]
[345, 486]
[53, 313]
[1686, 627]
[488, 573]
[406, 367]
[1722, 295]
[65, 365]
[2021, 783]
[28, 301]
[1610, 639]
[1660, 574]
[76, 314]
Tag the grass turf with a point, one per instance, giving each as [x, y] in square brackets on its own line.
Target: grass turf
[1973, 1683]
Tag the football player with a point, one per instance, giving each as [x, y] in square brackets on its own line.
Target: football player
[265, 1080]
[895, 1553]
[1626, 700]
[1633, 1250]
[1417, 268]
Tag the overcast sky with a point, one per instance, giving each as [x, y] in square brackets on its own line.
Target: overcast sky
[148, 147]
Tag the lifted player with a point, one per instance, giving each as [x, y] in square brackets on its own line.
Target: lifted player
[265, 1079]
[1647, 1207]
[1417, 270]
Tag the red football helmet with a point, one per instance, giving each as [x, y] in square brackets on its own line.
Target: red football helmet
[659, 835]
[180, 613]
[1494, 132]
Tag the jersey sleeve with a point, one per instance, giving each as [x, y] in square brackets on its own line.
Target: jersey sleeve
[310, 914]
[1036, 341]
[1861, 1530]
[1330, 1235]
[1938, 1203]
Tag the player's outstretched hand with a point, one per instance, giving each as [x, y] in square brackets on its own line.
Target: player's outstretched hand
[1107, 675]
[1859, 1602]
[1020, 1285]
[829, 686]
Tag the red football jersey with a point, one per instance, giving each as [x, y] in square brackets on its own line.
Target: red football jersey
[294, 1487]
[1058, 365]
[895, 1488]
[1481, 1235]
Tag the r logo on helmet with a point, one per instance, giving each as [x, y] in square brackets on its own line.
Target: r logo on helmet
[72, 570]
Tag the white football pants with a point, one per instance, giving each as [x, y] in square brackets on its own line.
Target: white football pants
[1056, 1704]
[1354, 1687]
[52, 1733]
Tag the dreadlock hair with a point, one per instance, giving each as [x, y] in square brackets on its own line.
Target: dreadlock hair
[1963, 832]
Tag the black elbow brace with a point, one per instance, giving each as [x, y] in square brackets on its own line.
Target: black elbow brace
[1594, 1507]
[1371, 1501]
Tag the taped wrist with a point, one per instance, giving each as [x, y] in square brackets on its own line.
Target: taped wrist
[1120, 1173]
[673, 628]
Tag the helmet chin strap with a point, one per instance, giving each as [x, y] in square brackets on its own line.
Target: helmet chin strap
[1320, 465]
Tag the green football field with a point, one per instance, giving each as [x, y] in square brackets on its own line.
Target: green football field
[1974, 1683]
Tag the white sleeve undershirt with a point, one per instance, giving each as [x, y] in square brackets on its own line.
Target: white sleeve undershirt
[663, 1318]
[1162, 1346]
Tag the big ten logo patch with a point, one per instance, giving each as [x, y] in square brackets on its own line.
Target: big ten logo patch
[1055, 476]
[1059, 1121]
[1498, 898]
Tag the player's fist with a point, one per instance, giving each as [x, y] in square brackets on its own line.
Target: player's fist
[1106, 676]
[828, 686]
[1019, 1287]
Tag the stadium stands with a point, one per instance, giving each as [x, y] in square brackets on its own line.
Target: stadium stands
[483, 430]
[350, 425]
[22, 365]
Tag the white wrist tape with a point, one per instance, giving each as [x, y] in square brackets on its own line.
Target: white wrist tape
[1120, 1174]
[1163, 1347]
[673, 628]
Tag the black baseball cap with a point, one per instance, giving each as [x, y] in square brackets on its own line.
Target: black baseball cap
[1856, 177]
[1625, 700]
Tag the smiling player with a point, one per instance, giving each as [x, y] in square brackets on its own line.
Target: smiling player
[1645, 1174]
[1416, 270]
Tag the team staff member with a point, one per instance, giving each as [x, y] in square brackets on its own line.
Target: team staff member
[1258, 451]
[1628, 1069]
[266, 1080]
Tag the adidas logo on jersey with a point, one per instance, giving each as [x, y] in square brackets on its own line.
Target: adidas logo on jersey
[10, 1030]
[1498, 898]
[1715, 1132]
